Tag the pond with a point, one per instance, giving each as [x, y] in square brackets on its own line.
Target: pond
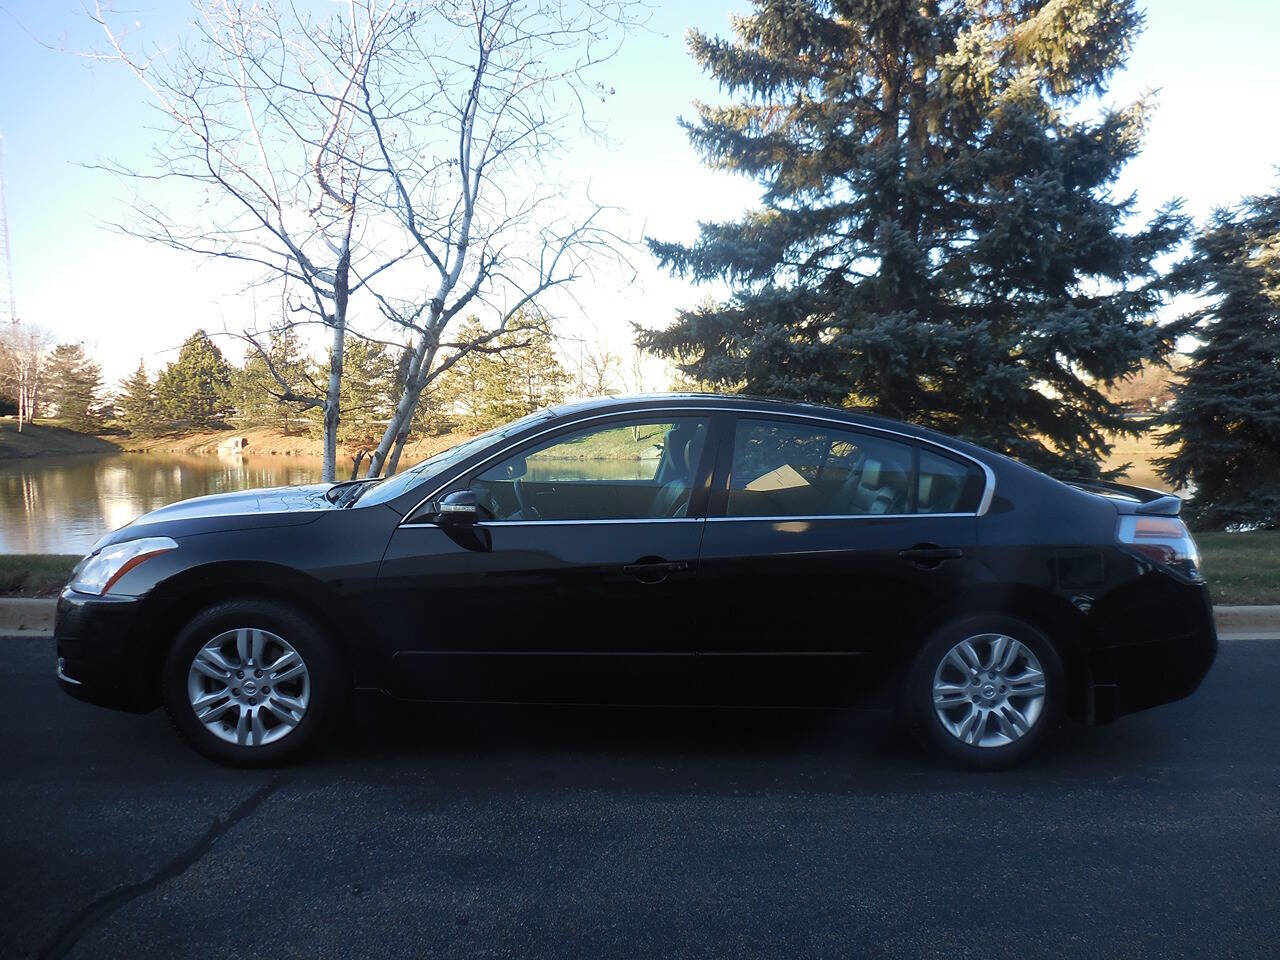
[64, 504]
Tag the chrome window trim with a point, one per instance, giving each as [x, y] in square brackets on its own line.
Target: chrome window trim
[761, 519]
[549, 523]
[989, 491]
[984, 504]
[835, 516]
[561, 522]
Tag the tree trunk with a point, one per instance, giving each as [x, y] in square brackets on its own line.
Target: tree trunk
[397, 433]
[393, 462]
[332, 405]
[333, 391]
[355, 463]
[402, 434]
[396, 426]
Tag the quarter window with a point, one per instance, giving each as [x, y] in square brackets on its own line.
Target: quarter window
[795, 469]
[640, 470]
[947, 485]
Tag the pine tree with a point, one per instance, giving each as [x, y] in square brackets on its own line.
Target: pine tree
[460, 389]
[195, 389]
[255, 391]
[527, 375]
[368, 392]
[8, 386]
[1225, 419]
[937, 238]
[512, 374]
[75, 383]
[136, 404]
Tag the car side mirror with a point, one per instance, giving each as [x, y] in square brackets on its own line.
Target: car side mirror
[458, 509]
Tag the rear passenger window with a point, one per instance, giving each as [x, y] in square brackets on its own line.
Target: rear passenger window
[795, 470]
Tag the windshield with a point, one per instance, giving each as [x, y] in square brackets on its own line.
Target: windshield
[393, 487]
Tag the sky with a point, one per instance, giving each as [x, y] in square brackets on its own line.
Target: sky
[1211, 140]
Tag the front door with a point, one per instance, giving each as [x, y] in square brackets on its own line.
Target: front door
[579, 583]
[826, 545]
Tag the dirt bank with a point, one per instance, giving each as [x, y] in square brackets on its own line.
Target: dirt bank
[46, 440]
[266, 441]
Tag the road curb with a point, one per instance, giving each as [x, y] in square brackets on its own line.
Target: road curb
[1247, 622]
[24, 617]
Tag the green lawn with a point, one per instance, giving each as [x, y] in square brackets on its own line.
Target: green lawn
[621, 443]
[34, 574]
[1242, 567]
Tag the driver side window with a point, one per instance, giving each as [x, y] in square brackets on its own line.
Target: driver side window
[630, 470]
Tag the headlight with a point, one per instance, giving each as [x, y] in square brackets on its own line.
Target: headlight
[97, 573]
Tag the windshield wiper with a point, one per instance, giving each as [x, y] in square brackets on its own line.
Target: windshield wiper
[338, 493]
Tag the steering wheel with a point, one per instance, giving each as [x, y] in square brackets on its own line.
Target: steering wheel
[493, 508]
[680, 506]
[527, 510]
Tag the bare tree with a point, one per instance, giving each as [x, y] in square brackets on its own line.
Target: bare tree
[636, 382]
[262, 123]
[23, 350]
[469, 116]
[599, 370]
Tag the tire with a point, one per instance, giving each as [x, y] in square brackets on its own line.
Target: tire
[274, 729]
[995, 719]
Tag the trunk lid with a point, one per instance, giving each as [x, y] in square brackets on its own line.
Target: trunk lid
[1128, 499]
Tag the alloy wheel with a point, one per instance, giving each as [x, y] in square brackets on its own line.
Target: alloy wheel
[249, 687]
[989, 690]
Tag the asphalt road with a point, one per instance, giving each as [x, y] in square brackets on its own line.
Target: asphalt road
[643, 834]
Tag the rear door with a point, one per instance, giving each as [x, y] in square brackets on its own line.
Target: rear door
[579, 586]
[826, 544]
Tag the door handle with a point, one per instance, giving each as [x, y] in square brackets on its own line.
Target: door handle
[654, 571]
[930, 554]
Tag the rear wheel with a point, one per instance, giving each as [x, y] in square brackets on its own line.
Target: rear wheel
[985, 691]
[251, 683]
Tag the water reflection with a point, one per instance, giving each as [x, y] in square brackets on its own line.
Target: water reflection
[539, 471]
[64, 504]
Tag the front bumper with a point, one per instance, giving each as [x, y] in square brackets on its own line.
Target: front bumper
[1158, 651]
[102, 656]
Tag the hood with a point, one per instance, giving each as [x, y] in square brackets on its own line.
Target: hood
[270, 507]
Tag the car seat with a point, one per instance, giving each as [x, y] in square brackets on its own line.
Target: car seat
[680, 456]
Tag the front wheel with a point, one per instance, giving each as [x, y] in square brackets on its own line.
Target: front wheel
[251, 683]
[985, 691]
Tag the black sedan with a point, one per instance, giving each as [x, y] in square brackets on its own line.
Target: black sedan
[671, 550]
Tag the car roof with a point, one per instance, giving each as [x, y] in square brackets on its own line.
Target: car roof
[742, 403]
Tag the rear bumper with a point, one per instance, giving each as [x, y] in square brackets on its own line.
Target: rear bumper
[1157, 654]
[101, 657]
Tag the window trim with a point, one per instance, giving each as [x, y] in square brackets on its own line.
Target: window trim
[550, 523]
[719, 417]
[798, 518]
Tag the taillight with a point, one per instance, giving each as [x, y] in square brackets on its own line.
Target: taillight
[1166, 540]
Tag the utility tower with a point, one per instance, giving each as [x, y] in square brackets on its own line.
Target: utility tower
[8, 305]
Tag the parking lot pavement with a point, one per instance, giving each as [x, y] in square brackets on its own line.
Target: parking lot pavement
[506, 832]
